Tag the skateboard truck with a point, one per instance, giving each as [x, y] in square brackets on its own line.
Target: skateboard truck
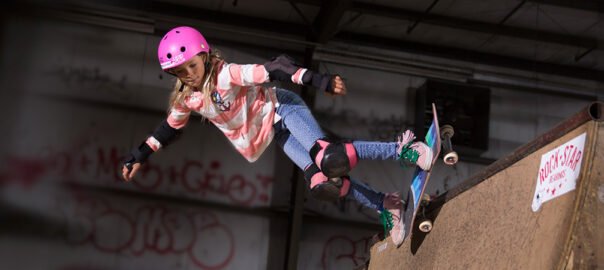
[450, 157]
[425, 224]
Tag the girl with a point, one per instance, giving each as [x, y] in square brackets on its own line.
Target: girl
[232, 97]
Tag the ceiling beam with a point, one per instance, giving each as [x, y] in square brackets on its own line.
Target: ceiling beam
[446, 52]
[328, 19]
[470, 56]
[469, 25]
[586, 5]
[416, 22]
[181, 14]
[177, 12]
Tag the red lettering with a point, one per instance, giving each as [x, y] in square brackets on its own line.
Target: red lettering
[192, 184]
[111, 166]
[353, 253]
[576, 161]
[158, 229]
[174, 176]
[547, 169]
[150, 177]
[192, 176]
[241, 191]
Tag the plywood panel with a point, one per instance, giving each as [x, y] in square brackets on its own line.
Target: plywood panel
[492, 225]
[586, 247]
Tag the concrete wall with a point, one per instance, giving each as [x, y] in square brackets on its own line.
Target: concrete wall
[77, 97]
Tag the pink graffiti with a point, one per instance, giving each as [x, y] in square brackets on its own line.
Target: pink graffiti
[26, 172]
[194, 177]
[83, 266]
[339, 250]
[151, 229]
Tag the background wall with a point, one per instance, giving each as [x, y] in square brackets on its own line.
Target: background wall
[76, 98]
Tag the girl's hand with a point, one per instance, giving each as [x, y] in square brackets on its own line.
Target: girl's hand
[129, 174]
[338, 86]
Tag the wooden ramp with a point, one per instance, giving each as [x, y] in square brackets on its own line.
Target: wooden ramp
[488, 223]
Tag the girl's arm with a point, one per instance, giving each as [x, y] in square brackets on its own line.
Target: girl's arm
[163, 135]
[284, 68]
[241, 75]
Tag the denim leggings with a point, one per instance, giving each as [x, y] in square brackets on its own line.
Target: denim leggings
[298, 130]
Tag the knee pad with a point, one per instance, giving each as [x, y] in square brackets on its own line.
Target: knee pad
[325, 188]
[334, 159]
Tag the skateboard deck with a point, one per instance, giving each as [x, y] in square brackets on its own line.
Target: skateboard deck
[421, 177]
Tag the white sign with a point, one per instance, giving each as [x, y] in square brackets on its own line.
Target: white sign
[559, 171]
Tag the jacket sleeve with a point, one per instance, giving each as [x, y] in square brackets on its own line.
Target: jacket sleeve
[242, 75]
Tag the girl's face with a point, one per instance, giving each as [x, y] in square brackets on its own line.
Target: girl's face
[192, 71]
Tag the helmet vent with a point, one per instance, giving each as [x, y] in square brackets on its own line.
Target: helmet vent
[183, 49]
[169, 55]
[177, 32]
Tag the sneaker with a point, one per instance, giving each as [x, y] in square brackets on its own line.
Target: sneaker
[414, 153]
[394, 207]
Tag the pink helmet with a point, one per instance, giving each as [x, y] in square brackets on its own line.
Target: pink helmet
[179, 45]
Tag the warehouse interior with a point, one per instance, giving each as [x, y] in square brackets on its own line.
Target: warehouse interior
[82, 86]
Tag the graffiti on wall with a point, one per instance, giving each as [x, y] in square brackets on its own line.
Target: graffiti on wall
[150, 229]
[143, 229]
[195, 178]
[343, 252]
[91, 78]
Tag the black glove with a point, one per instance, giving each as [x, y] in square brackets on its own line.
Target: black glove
[138, 155]
[320, 81]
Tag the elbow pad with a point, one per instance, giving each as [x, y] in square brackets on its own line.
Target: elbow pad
[165, 134]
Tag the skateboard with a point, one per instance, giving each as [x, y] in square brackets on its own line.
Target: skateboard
[416, 197]
[450, 158]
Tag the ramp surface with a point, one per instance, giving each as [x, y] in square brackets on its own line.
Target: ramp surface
[489, 223]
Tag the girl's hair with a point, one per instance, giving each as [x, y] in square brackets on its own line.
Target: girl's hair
[208, 82]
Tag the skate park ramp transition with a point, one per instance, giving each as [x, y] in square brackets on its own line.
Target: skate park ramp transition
[541, 207]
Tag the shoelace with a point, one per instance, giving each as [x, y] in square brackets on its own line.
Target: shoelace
[386, 219]
[407, 156]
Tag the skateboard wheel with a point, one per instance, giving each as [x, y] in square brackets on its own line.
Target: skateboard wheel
[425, 226]
[451, 158]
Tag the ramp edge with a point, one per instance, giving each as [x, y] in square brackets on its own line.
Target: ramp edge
[592, 112]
